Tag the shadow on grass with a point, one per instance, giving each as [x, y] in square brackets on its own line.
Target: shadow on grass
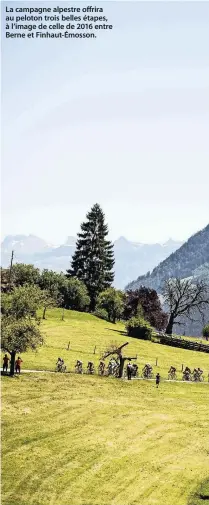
[118, 331]
[7, 374]
[201, 496]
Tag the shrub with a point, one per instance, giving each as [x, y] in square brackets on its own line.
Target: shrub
[205, 331]
[101, 313]
[138, 327]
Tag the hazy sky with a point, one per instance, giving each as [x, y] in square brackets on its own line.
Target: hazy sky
[122, 120]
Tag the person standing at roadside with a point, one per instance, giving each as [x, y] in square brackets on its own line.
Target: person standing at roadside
[157, 380]
[18, 363]
[129, 371]
[5, 363]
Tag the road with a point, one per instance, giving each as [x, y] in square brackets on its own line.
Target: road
[135, 378]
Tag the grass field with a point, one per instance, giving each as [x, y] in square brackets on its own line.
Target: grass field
[80, 440]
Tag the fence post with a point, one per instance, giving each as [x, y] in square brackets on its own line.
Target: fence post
[68, 347]
[182, 368]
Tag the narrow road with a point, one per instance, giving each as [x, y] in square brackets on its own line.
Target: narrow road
[134, 378]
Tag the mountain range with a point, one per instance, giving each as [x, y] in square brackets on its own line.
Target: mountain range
[131, 258]
[189, 260]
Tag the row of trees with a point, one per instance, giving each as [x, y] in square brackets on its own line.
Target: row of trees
[58, 289]
[71, 293]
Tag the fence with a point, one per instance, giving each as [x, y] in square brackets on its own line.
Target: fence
[159, 338]
[184, 344]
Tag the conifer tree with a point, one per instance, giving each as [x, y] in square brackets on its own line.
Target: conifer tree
[93, 259]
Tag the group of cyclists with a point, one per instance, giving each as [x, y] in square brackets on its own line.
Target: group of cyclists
[79, 367]
[61, 367]
[196, 375]
[131, 370]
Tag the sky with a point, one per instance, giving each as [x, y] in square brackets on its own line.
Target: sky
[122, 120]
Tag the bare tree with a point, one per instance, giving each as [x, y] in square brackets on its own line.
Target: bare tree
[185, 298]
[113, 349]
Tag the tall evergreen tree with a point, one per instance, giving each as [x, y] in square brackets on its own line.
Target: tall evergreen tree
[93, 259]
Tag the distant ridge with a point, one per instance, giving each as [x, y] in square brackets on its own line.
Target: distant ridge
[182, 263]
[131, 258]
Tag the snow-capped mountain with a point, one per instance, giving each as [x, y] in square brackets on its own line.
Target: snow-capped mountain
[131, 258]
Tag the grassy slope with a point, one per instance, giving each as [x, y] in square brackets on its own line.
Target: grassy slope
[85, 332]
[72, 440]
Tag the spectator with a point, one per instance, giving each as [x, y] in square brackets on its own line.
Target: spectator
[18, 363]
[157, 380]
[129, 371]
[5, 363]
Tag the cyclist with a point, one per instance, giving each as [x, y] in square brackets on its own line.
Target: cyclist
[172, 372]
[111, 366]
[135, 370]
[200, 372]
[79, 366]
[101, 367]
[90, 367]
[187, 373]
[60, 364]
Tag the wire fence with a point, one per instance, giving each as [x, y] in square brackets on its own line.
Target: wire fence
[98, 352]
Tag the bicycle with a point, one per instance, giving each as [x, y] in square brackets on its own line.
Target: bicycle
[172, 374]
[61, 368]
[187, 377]
[147, 373]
